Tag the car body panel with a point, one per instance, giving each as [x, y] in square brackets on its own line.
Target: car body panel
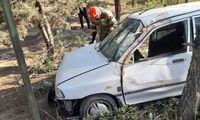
[105, 80]
[156, 72]
[80, 61]
[158, 14]
[154, 94]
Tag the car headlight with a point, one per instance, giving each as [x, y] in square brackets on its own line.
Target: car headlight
[59, 93]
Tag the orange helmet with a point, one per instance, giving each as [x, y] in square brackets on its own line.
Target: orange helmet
[95, 12]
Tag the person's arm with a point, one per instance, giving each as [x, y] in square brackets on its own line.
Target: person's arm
[109, 19]
[95, 22]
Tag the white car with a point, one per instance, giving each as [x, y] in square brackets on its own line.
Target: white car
[145, 58]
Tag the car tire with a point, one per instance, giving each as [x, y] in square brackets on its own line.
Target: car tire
[96, 105]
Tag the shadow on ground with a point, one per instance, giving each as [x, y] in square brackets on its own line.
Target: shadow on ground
[14, 105]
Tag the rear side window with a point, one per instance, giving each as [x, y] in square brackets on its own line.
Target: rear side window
[166, 40]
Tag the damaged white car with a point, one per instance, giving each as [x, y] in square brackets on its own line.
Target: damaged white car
[144, 59]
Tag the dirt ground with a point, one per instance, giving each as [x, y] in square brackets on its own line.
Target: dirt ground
[13, 102]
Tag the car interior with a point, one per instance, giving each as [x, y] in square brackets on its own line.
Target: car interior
[164, 41]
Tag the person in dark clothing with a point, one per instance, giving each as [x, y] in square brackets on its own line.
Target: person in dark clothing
[94, 34]
[83, 13]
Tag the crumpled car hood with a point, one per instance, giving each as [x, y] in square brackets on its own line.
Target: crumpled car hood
[80, 62]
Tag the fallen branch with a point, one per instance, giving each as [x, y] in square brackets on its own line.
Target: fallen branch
[47, 114]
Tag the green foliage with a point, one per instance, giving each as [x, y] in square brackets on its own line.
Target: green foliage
[4, 38]
[41, 88]
[58, 11]
[160, 110]
[163, 109]
[153, 3]
[26, 16]
[43, 65]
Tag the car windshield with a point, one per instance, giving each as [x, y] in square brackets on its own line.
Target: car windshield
[120, 39]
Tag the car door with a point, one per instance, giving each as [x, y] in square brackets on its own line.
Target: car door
[159, 66]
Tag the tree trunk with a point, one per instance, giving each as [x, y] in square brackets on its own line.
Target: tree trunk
[117, 9]
[189, 104]
[45, 30]
[134, 2]
[20, 59]
[186, 1]
[45, 37]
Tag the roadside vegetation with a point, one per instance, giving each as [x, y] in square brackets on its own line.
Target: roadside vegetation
[164, 109]
[158, 110]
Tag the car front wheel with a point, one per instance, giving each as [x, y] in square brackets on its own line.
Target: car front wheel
[96, 105]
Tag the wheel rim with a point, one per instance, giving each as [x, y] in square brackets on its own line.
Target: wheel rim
[98, 108]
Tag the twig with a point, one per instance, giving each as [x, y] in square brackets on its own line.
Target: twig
[58, 114]
[47, 114]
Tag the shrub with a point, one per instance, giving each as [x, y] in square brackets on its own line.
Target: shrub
[160, 110]
[43, 65]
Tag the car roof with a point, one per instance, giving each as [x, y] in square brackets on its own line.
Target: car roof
[154, 15]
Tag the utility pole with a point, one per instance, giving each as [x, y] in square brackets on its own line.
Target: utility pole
[117, 9]
[20, 59]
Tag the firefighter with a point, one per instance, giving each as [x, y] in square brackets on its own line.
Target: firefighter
[104, 21]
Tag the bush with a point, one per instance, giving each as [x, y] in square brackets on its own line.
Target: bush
[26, 16]
[160, 110]
[43, 65]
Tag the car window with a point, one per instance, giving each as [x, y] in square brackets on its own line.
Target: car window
[120, 39]
[166, 40]
[128, 40]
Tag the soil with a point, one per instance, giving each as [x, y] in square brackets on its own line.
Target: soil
[13, 102]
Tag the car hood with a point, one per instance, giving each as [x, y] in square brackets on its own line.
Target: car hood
[80, 62]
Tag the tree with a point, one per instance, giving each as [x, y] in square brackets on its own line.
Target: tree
[20, 59]
[189, 103]
[117, 9]
[45, 29]
[134, 2]
[50, 17]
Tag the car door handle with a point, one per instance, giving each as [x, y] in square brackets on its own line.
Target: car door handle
[178, 60]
